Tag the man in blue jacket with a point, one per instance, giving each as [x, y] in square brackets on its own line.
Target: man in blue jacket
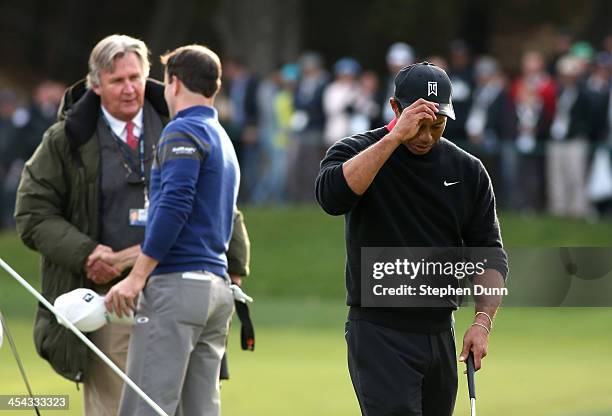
[183, 313]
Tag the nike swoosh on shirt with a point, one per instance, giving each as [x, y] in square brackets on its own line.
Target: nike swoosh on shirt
[450, 183]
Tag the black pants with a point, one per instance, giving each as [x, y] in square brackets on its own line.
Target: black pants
[397, 373]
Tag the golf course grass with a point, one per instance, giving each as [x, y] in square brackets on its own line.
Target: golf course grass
[554, 361]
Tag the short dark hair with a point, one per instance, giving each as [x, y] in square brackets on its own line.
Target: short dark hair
[196, 66]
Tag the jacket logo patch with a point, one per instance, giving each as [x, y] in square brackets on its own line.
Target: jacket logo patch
[183, 150]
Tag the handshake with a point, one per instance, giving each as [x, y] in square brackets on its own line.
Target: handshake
[104, 264]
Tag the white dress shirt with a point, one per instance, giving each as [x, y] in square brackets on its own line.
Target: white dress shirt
[119, 127]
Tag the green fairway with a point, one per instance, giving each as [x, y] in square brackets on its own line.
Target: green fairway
[541, 361]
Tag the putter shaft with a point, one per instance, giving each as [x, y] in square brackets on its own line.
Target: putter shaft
[471, 385]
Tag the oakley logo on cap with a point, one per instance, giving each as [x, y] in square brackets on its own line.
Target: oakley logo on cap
[432, 88]
[88, 297]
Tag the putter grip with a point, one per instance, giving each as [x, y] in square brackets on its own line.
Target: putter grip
[470, 375]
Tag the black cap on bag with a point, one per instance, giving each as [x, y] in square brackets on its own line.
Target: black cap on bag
[428, 81]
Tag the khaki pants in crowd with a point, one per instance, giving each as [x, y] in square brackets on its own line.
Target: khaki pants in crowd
[102, 387]
[566, 169]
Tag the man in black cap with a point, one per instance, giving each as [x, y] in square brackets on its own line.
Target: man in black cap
[403, 185]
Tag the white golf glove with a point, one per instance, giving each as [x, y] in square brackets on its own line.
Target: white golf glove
[239, 295]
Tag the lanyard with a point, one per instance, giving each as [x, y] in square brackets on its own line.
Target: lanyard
[126, 158]
[141, 155]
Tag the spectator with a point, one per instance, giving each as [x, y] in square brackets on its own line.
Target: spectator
[438, 61]
[533, 97]
[462, 78]
[367, 112]
[583, 53]
[241, 89]
[276, 103]
[266, 115]
[485, 122]
[599, 94]
[8, 134]
[488, 124]
[567, 150]
[563, 43]
[535, 79]
[41, 113]
[306, 146]
[607, 44]
[399, 55]
[350, 102]
[32, 122]
[340, 100]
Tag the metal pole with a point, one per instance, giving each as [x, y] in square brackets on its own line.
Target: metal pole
[83, 338]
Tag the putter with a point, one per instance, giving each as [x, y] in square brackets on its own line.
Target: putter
[471, 386]
[83, 338]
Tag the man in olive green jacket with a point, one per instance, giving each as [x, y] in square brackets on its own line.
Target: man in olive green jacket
[61, 209]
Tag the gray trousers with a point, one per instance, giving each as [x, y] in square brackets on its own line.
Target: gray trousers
[177, 343]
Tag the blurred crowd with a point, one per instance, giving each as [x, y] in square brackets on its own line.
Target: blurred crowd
[22, 125]
[544, 133]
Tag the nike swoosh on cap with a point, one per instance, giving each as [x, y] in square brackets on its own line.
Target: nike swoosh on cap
[450, 183]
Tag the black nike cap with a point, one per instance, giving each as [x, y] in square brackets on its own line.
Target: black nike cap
[428, 81]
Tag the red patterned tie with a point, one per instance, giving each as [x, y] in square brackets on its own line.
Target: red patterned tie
[131, 139]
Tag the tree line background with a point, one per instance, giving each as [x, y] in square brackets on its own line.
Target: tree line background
[52, 39]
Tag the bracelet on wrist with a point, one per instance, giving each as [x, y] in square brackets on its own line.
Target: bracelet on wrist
[487, 315]
[484, 326]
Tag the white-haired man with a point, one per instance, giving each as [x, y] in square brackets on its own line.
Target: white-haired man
[82, 204]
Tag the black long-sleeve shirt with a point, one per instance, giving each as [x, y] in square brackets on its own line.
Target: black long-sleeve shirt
[410, 204]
